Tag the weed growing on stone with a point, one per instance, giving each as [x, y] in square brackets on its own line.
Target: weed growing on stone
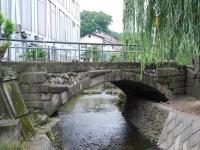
[13, 146]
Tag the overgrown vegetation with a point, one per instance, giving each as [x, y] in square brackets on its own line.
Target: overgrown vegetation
[55, 140]
[8, 29]
[36, 54]
[13, 146]
[92, 53]
[167, 30]
[114, 57]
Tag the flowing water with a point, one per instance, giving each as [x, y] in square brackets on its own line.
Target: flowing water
[94, 122]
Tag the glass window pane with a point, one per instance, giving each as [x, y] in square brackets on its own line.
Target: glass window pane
[61, 26]
[53, 21]
[41, 17]
[26, 15]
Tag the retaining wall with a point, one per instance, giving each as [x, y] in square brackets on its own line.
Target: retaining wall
[171, 129]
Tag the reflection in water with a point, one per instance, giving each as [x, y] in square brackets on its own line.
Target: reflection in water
[95, 123]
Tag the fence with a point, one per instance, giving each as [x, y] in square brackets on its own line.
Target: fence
[31, 50]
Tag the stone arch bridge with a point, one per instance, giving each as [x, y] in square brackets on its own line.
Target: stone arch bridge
[47, 86]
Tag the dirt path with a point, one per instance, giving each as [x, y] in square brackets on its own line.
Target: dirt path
[185, 104]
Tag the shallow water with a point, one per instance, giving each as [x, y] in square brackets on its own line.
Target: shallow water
[94, 122]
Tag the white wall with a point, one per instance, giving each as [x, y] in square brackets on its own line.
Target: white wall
[35, 17]
[89, 38]
[42, 18]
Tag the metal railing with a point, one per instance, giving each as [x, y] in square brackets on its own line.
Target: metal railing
[32, 50]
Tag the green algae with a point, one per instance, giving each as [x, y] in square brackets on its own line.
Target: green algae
[18, 107]
[15, 98]
[27, 126]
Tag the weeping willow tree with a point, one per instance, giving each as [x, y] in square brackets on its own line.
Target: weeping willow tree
[168, 30]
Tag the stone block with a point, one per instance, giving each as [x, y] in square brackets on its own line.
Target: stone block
[178, 142]
[179, 91]
[37, 97]
[35, 104]
[163, 145]
[186, 133]
[73, 90]
[195, 139]
[117, 75]
[188, 122]
[178, 129]
[164, 72]
[170, 79]
[100, 79]
[56, 101]
[40, 142]
[49, 108]
[170, 139]
[170, 126]
[190, 74]
[56, 89]
[33, 77]
[193, 91]
[179, 119]
[10, 130]
[196, 125]
[175, 85]
[64, 97]
[149, 81]
[163, 136]
[85, 84]
[197, 83]
[172, 116]
[190, 82]
[96, 73]
[186, 145]
[34, 88]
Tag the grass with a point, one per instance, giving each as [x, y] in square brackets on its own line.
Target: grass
[55, 139]
[13, 146]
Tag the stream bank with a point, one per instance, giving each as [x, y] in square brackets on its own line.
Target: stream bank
[163, 124]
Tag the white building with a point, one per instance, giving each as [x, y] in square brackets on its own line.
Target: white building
[52, 20]
[102, 38]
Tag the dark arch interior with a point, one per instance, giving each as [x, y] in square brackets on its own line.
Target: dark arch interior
[135, 89]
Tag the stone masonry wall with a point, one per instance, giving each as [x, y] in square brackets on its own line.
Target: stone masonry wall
[193, 82]
[171, 129]
[181, 132]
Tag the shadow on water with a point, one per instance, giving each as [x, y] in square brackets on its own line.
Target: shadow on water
[94, 122]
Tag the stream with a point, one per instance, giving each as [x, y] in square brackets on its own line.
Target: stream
[94, 122]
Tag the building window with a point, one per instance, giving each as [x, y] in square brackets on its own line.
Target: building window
[6, 8]
[26, 14]
[68, 28]
[41, 17]
[53, 21]
[61, 26]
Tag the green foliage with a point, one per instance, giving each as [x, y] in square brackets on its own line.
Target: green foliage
[92, 21]
[92, 53]
[13, 146]
[1, 19]
[8, 28]
[8, 31]
[36, 54]
[167, 30]
[1, 116]
[55, 139]
[114, 57]
[3, 48]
